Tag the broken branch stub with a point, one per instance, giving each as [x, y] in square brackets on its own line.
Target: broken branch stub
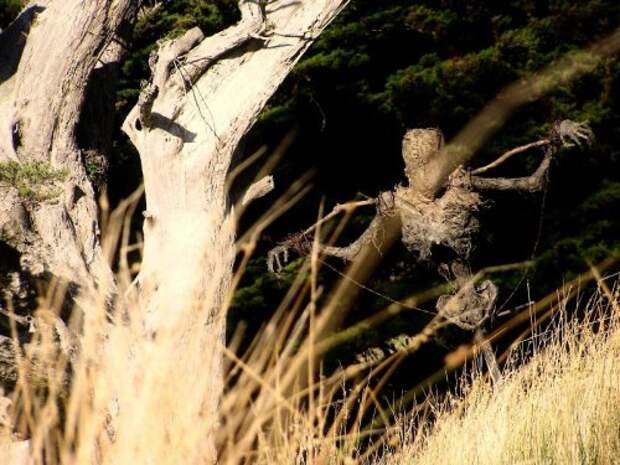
[170, 50]
[257, 190]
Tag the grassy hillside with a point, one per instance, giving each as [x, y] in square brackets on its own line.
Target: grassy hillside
[380, 68]
[561, 408]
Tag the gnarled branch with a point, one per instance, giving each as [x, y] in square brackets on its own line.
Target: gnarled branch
[249, 27]
[531, 183]
[302, 244]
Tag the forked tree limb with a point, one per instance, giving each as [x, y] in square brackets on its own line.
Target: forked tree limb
[207, 100]
[250, 26]
[189, 56]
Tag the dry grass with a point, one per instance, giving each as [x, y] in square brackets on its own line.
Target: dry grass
[562, 407]
[280, 408]
[137, 402]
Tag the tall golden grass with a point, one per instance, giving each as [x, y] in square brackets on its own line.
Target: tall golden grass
[281, 408]
[562, 406]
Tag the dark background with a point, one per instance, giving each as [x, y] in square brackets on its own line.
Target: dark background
[385, 66]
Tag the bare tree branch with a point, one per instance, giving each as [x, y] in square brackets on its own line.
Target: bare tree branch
[300, 242]
[170, 51]
[564, 134]
[531, 183]
[249, 27]
[509, 155]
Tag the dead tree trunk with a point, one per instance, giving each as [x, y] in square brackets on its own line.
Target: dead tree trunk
[204, 96]
[48, 210]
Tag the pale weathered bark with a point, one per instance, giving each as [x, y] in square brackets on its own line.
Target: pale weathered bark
[48, 211]
[46, 59]
[204, 96]
[45, 78]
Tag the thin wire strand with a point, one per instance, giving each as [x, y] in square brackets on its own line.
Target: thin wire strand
[541, 218]
[194, 90]
[375, 292]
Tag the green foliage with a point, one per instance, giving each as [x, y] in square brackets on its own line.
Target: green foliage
[254, 297]
[9, 10]
[33, 181]
[96, 166]
[382, 67]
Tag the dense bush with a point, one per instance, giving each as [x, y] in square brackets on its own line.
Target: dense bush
[383, 67]
[8, 10]
[387, 66]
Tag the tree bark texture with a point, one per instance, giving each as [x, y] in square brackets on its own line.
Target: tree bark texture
[45, 76]
[204, 96]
